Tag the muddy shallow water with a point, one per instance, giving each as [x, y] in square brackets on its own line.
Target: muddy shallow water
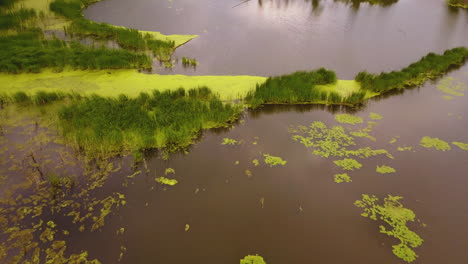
[306, 217]
[277, 36]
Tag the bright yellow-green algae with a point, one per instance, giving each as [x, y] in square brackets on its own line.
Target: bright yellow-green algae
[248, 173]
[166, 181]
[340, 178]
[450, 86]
[385, 169]
[461, 145]
[230, 141]
[256, 162]
[348, 164]
[274, 161]
[332, 142]
[395, 217]
[405, 148]
[393, 140]
[251, 259]
[187, 227]
[169, 171]
[348, 119]
[375, 116]
[436, 143]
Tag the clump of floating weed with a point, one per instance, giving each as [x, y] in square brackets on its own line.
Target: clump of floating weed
[348, 119]
[230, 141]
[449, 87]
[385, 169]
[396, 217]
[256, 162]
[331, 142]
[362, 133]
[461, 145]
[405, 148]
[274, 161]
[248, 173]
[166, 181]
[393, 140]
[187, 227]
[169, 171]
[348, 164]
[340, 178]
[187, 62]
[375, 116]
[250, 259]
[436, 143]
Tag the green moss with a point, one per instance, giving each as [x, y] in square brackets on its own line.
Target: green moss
[348, 119]
[348, 164]
[436, 143]
[375, 116]
[340, 178]
[250, 259]
[274, 161]
[395, 217]
[166, 181]
[461, 145]
[385, 169]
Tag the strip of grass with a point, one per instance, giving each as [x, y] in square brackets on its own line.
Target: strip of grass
[302, 87]
[429, 67]
[31, 52]
[458, 3]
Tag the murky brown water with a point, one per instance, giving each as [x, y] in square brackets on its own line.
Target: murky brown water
[278, 36]
[306, 217]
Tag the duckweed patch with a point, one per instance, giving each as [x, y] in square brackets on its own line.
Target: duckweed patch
[348, 164]
[348, 119]
[375, 116]
[450, 87]
[436, 143]
[385, 169]
[405, 148]
[274, 161]
[340, 178]
[230, 141]
[169, 171]
[396, 218]
[256, 162]
[461, 145]
[166, 181]
[252, 259]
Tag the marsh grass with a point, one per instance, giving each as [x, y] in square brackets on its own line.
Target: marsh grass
[31, 52]
[102, 126]
[429, 67]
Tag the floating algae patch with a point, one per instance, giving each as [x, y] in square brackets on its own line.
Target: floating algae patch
[436, 143]
[451, 87]
[375, 116]
[332, 142]
[274, 161]
[256, 162]
[166, 181]
[340, 178]
[393, 140]
[230, 141]
[248, 173]
[395, 216]
[385, 169]
[251, 259]
[461, 145]
[363, 134]
[405, 148]
[348, 164]
[169, 171]
[348, 119]
[187, 227]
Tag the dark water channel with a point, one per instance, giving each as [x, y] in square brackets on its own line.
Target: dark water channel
[306, 216]
[275, 37]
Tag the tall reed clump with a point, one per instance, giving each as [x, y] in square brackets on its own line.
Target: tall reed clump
[15, 19]
[127, 38]
[430, 66]
[299, 87]
[101, 127]
[31, 52]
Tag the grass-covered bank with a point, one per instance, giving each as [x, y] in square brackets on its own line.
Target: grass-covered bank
[429, 67]
[458, 3]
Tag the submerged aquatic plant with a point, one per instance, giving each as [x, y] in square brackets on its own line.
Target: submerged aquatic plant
[436, 143]
[450, 87]
[461, 145]
[348, 164]
[348, 119]
[395, 217]
[166, 181]
[274, 161]
[385, 169]
[375, 116]
[340, 178]
[251, 259]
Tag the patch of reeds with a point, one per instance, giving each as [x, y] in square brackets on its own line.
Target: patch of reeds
[188, 62]
[15, 19]
[430, 66]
